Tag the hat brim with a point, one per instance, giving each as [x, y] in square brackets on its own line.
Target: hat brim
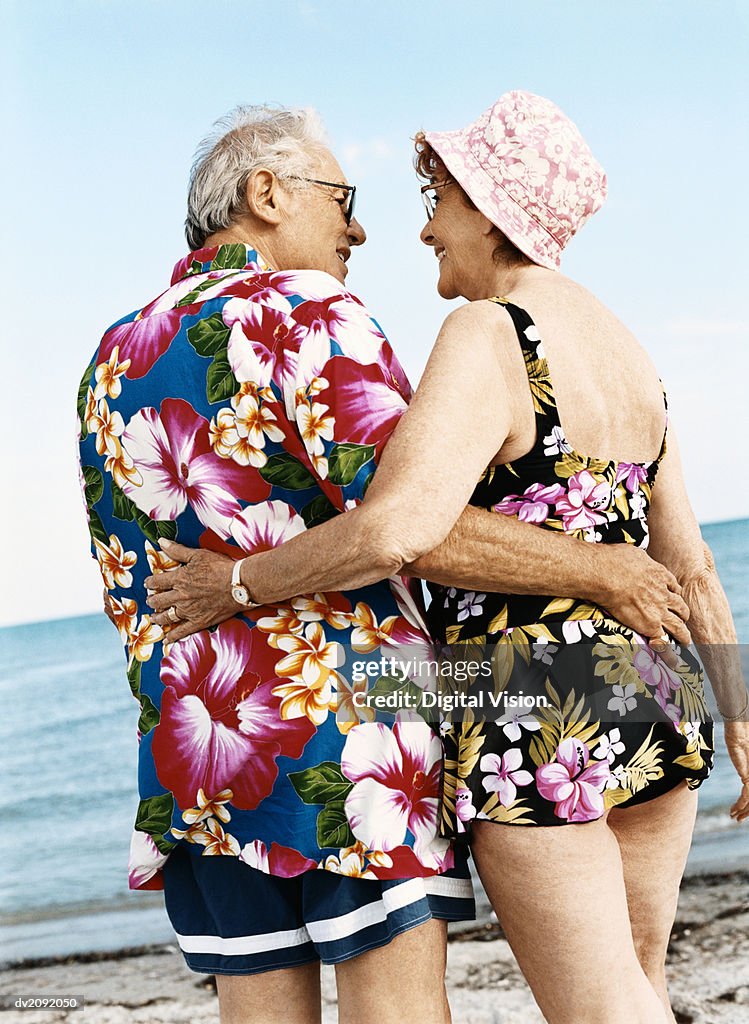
[496, 204]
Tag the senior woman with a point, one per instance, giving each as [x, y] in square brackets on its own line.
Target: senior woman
[569, 433]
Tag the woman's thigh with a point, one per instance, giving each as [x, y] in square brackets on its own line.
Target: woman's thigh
[401, 981]
[560, 897]
[654, 840]
[291, 995]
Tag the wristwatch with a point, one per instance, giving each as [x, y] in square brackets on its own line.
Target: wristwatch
[239, 591]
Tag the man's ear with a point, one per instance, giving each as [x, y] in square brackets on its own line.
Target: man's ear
[264, 196]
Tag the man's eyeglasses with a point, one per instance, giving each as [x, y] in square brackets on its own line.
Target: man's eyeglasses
[347, 204]
[431, 200]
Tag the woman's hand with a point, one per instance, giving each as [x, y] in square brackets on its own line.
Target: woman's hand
[737, 741]
[199, 591]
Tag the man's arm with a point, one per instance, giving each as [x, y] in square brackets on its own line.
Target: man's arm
[487, 551]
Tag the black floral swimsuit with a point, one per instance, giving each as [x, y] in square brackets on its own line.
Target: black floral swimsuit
[579, 714]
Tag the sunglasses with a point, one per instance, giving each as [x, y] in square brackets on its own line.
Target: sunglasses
[431, 200]
[347, 204]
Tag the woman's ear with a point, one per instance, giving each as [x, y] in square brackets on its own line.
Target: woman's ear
[264, 196]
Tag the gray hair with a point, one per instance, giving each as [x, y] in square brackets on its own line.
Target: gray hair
[248, 137]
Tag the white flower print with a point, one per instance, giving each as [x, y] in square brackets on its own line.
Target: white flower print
[556, 443]
[513, 723]
[544, 651]
[617, 778]
[471, 604]
[609, 746]
[450, 595]
[623, 699]
[639, 505]
[573, 631]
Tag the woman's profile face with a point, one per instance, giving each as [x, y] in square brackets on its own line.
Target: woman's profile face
[459, 236]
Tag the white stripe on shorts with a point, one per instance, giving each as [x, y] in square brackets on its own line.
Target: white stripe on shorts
[395, 898]
[325, 930]
[242, 944]
[441, 885]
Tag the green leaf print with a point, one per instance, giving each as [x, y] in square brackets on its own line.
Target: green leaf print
[221, 384]
[149, 715]
[133, 678]
[155, 529]
[319, 510]
[321, 784]
[345, 461]
[230, 257]
[83, 396]
[333, 828]
[96, 527]
[209, 337]
[155, 818]
[122, 506]
[94, 484]
[284, 470]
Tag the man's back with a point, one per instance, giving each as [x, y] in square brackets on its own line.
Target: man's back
[238, 409]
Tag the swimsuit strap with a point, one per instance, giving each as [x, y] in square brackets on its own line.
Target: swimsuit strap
[539, 379]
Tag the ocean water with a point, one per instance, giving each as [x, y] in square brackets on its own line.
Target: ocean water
[68, 742]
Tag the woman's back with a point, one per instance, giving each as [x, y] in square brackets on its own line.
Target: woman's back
[585, 468]
[610, 401]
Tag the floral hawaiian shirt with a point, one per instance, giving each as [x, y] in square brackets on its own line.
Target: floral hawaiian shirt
[238, 409]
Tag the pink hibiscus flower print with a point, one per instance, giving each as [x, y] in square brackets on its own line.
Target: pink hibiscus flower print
[533, 505]
[632, 474]
[264, 343]
[573, 782]
[172, 451]
[581, 506]
[464, 808]
[504, 775]
[145, 339]
[366, 401]
[396, 774]
[655, 673]
[220, 726]
[281, 861]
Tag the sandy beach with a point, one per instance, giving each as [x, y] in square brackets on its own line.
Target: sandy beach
[708, 956]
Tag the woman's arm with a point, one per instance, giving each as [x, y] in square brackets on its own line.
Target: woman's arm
[458, 419]
[675, 540]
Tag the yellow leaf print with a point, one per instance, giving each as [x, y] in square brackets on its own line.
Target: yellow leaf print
[516, 813]
[645, 766]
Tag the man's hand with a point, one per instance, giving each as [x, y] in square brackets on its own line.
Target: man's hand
[108, 611]
[199, 591]
[643, 594]
[737, 741]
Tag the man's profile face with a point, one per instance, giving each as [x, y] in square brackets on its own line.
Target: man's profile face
[319, 238]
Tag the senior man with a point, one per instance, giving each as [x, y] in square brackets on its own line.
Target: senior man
[249, 402]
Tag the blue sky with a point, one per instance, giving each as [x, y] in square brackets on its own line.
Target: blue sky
[103, 104]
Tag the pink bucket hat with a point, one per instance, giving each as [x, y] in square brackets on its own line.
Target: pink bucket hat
[527, 168]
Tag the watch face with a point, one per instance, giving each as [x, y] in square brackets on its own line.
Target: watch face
[240, 594]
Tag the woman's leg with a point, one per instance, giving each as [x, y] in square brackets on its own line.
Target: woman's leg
[402, 981]
[291, 995]
[654, 840]
[559, 895]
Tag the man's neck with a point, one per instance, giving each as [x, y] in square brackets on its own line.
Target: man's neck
[240, 235]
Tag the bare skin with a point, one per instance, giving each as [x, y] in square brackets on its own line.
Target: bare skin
[413, 964]
[588, 908]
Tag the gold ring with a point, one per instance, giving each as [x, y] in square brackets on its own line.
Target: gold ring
[660, 643]
[172, 614]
